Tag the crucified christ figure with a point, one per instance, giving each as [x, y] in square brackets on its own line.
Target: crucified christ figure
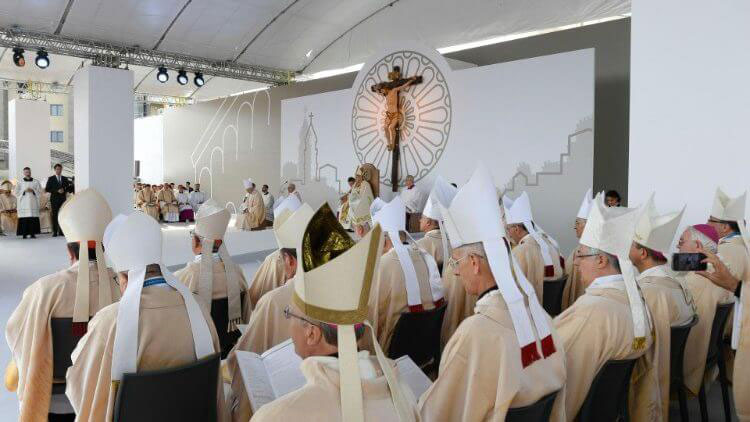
[394, 116]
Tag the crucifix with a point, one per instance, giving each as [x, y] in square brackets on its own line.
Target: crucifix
[394, 115]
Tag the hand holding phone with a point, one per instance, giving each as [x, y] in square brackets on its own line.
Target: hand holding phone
[688, 262]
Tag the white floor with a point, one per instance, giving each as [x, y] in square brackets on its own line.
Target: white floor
[24, 261]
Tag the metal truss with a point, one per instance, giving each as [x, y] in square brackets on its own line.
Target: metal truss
[113, 55]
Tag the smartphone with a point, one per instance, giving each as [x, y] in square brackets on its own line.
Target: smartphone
[689, 262]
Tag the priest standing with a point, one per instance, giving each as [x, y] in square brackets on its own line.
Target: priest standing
[76, 292]
[157, 324]
[268, 203]
[414, 199]
[8, 209]
[29, 194]
[197, 198]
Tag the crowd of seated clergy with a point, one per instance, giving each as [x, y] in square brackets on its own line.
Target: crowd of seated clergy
[341, 285]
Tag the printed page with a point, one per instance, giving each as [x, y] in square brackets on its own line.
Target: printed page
[412, 376]
[283, 368]
[255, 378]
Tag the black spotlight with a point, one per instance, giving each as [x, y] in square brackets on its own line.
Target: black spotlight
[162, 75]
[199, 81]
[18, 58]
[182, 78]
[42, 59]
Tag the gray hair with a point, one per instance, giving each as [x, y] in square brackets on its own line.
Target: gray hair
[474, 249]
[613, 261]
[708, 244]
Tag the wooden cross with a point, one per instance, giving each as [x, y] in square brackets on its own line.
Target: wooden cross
[394, 116]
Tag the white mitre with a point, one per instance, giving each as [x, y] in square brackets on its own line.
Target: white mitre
[133, 243]
[726, 208]
[610, 229]
[442, 193]
[585, 208]
[518, 211]
[332, 284]
[474, 216]
[211, 223]
[391, 218]
[84, 218]
[290, 232]
[289, 205]
[247, 183]
[657, 232]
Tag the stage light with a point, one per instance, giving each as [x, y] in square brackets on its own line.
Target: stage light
[42, 59]
[162, 75]
[18, 58]
[182, 78]
[199, 81]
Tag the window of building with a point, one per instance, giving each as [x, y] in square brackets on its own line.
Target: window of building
[55, 109]
[56, 136]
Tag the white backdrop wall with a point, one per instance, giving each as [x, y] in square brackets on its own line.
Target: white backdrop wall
[530, 121]
[148, 143]
[29, 139]
[689, 108]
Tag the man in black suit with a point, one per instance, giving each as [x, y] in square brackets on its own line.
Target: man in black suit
[57, 186]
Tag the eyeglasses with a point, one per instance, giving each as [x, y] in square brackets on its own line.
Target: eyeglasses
[453, 263]
[289, 314]
[579, 256]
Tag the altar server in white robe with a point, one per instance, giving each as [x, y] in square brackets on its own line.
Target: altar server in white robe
[267, 326]
[68, 293]
[327, 314]
[270, 274]
[212, 274]
[610, 321]
[197, 198]
[535, 251]
[573, 285]
[29, 194]
[668, 301]
[415, 199]
[407, 279]
[157, 324]
[507, 354]
[728, 218]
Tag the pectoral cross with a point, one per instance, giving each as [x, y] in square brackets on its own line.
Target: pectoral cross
[394, 116]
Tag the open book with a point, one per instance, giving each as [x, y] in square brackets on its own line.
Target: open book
[277, 372]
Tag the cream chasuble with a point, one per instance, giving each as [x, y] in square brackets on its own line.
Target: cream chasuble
[388, 293]
[8, 214]
[597, 328]
[169, 206]
[481, 374]
[269, 276]
[432, 242]
[573, 286]
[162, 310]
[706, 296]
[319, 399]
[190, 276]
[30, 338]
[147, 202]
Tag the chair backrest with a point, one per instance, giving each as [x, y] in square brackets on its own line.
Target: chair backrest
[678, 339]
[553, 294]
[717, 333]
[607, 399]
[537, 412]
[184, 393]
[63, 343]
[417, 334]
[220, 316]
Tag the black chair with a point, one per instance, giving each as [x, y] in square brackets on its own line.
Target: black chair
[607, 399]
[716, 357]
[553, 294]
[678, 339]
[537, 412]
[417, 334]
[220, 316]
[184, 393]
[63, 343]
